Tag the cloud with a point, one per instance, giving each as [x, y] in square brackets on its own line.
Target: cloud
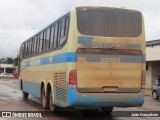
[18, 16]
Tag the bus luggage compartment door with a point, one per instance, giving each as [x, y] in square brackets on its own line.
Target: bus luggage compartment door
[109, 70]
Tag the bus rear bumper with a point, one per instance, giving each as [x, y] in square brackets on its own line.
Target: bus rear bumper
[76, 99]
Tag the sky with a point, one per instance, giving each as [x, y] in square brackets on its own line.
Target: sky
[20, 19]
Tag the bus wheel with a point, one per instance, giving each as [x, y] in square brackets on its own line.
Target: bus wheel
[44, 99]
[52, 106]
[25, 94]
[106, 110]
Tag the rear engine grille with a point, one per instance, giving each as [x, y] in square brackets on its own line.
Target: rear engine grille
[60, 86]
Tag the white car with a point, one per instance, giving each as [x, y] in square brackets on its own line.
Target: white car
[156, 91]
[6, 75]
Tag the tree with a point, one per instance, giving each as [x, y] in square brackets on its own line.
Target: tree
[3, 61]
[8, 60]
[15, 62]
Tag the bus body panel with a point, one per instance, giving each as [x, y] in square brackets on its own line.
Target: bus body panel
[94, 73]
[109, 70]
[48, 67]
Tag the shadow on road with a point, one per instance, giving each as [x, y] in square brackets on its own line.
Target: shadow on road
[78, 115]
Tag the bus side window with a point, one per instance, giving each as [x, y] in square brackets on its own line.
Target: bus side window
[66, 25]
[35, 46]
[47, 39]
[37, 43]
[26, 49]
[41, 42]
[59, 33]
[29, 48]
[62, 34]
[32, 46]
[55, 38]
[22, 51]
[44, 39]
[52, 37]
[64, 30]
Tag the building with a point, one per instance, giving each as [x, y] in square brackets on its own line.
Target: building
[7, 68]
[152, 62]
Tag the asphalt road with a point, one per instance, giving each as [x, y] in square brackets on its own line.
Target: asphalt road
[11, 100]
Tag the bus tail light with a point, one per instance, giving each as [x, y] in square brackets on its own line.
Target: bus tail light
[143, 79]
[73, 77]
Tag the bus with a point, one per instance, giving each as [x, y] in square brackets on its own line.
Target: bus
[93, 56]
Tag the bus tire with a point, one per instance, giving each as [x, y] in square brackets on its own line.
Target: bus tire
[106, 110]
[25, 94]
[52, 106]
[44, 99]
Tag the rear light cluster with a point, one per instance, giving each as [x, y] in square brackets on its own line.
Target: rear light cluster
[143, 79]
[73, 77]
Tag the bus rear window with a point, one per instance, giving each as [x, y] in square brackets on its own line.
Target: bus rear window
[109, 22]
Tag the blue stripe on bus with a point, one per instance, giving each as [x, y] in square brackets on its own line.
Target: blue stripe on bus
[60, 58]
[104, 99]
[95, 100]
[88, 41]
[27, 63]
[71, 57]
[32, 88]
[45, 61]
[85, 40]
[144, 58]
[66, 57]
